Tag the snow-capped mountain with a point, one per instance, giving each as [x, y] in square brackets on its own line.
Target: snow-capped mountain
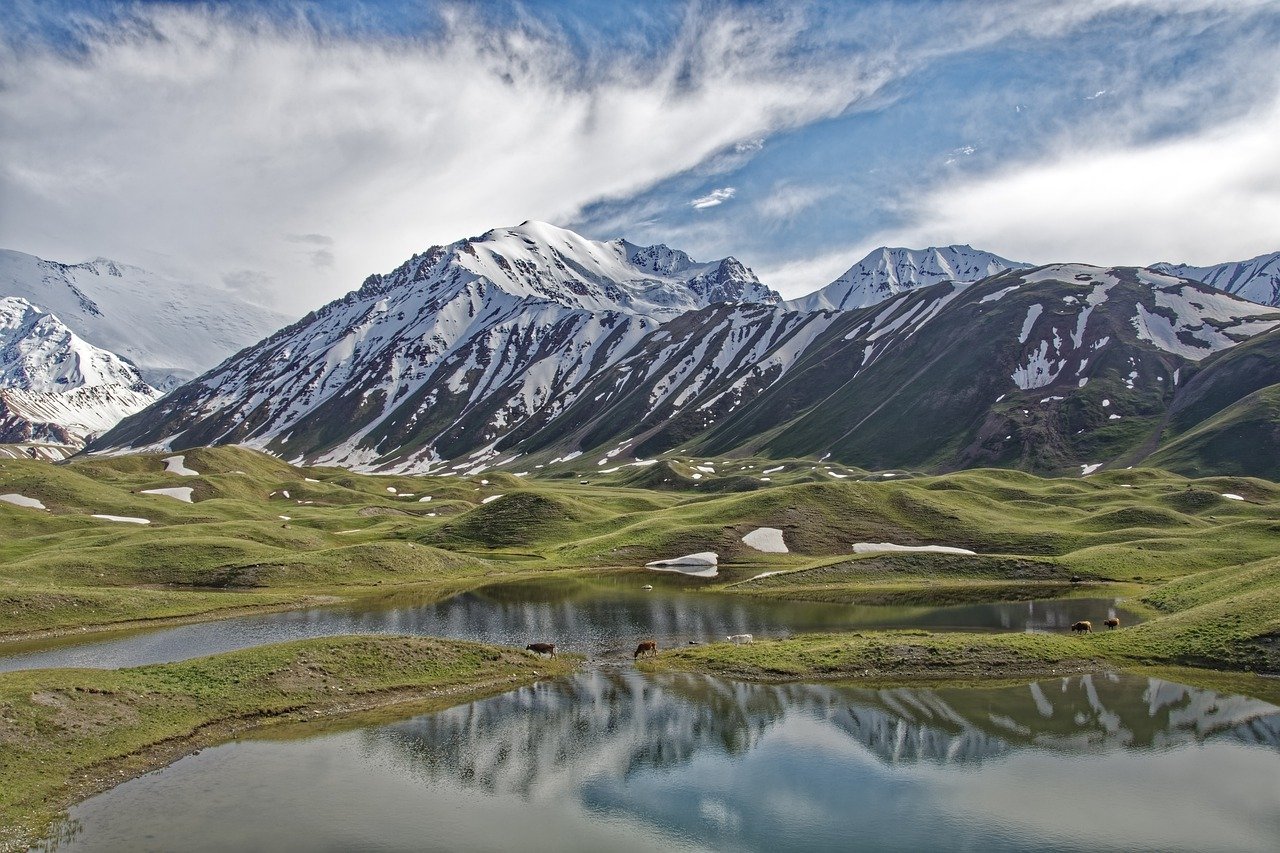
[1044, 369]
[531, 344]
[459, 349]
[887, 271]
[170, 330]
[55, 387]
[1257, 279]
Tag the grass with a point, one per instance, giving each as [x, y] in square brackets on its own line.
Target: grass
[896, 655]
[263, 533]
[68, 733]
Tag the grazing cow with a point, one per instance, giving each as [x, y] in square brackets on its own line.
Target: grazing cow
[647, 647]
[1084, 626]
[1113, 622]
[740, 639]
[542, 649]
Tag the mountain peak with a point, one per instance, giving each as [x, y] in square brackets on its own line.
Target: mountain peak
[1257, 279]
[894, 269]
[543, 262]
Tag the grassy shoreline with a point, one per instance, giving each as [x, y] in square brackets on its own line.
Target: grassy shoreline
[69, 733]
[901, 657]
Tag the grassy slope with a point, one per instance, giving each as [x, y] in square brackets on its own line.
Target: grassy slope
[66, 733]
[347, 534]
[1244, 436]
[1222, 618]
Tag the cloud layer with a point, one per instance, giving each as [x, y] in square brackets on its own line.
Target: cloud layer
[287, 160]
[187, 137]
[1201, 198]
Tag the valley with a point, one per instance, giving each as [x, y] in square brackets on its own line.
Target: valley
[1190, 565]
[668, 426]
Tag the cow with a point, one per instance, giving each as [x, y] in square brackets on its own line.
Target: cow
[1113, 622]
[740, 639]
[1084, 626]
[542, 649]
[649, 647]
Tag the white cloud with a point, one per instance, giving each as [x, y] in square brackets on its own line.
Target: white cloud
[786, 200]
[191, 135]
[1202, 198]
[795, 278]
[713, 198]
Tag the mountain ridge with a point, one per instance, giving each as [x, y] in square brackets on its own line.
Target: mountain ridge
[169, 330]
[55, 387]
[534, 342]
[1256, 279]
[887, 271]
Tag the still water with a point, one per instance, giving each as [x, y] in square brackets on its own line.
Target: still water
[611, 759]
[599, 618]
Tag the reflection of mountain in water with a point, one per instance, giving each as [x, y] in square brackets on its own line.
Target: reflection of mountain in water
[1077, 714]
[551, 738]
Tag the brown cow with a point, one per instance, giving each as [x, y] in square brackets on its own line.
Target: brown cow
[1084, 626]
[1113, 622]
[542, 648]
[647, 647]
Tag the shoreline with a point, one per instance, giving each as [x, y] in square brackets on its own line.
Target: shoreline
[987, 661]
[120, 724]
[113, 772]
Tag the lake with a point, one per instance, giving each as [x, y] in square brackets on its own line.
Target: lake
[613, 759]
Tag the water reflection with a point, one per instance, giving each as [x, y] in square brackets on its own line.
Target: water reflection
[615, 758]
[600, 619]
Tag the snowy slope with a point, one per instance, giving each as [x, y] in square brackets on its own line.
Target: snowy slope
[54, 386]
[1257, 279]
[448, 354]
[171, 330]
[531, 344]
[1058, 366]
[887, 271]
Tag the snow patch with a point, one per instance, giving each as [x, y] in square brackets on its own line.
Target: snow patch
[177, 465]
[702, 565]
[22, 500]
[490, 499]
[1032, 313]
[1232, 497]
[180, 493]
[766, 539]
[124, 519]
[881, 547]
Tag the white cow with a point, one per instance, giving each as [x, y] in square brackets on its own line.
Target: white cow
[740, 639]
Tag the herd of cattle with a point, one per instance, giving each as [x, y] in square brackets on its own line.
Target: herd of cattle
[1084, 626]
[650, 647]
[646, 647]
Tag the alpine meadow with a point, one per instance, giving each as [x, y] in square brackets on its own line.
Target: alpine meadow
[847, 425]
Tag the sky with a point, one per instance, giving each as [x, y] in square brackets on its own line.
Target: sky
[287, 150]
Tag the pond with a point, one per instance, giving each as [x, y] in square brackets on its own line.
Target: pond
[614, 759]
[601, 618]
